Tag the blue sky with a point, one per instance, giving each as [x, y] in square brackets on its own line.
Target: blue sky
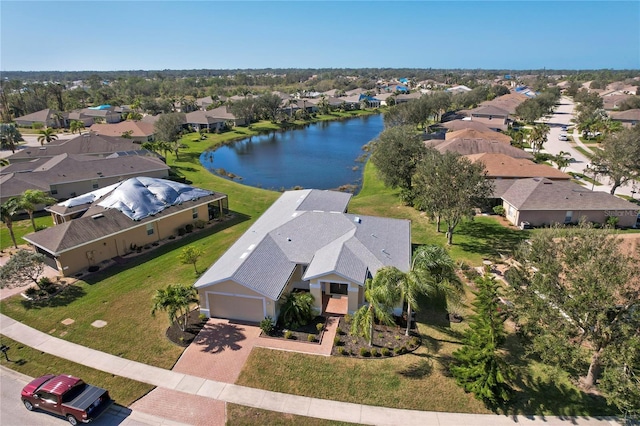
[152, 35]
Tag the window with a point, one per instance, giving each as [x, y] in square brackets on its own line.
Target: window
[194, 212]
[568, 216]
[94, 184]
[53, 189]
[150, 228]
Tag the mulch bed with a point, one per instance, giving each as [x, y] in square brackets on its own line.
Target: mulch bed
[388, 341]
[300, 334]
[184, 338]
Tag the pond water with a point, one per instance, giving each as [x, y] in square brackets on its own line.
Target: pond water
[323, 155]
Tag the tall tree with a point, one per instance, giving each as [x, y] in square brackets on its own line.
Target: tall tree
[478, 366]
[538, 137]
[76, 126]
[576, 291]
[619, 158]
[381, 292]
[8, 210]
[396, 154]
[23, 267]
[176, 301]
[47, 135]
[9, 136]
[168, 127]
[244, 109]
[269, 105]
[31, 199]
[449, 187]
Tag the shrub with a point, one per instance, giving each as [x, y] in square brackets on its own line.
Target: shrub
[364, 352]
[337, 341]
[499, 210]
[297, 309]
[189, 228]
[31, 291]
[93, 268]
[342, 351]
[267, 326]
[612, 221]
[311, 337]
[319, 327]
[37, 126]
[172, 237]
[374, 352]
[339, 331]
[385, 352]
[288, 334]
[44, 283]
[202, 317]
[181, 232]
[397, 350]
[347, 319]
[471, 274]
[200, 224]
[414, 342]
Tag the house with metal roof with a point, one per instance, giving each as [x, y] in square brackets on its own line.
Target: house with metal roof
[114, 221]
[306, 241]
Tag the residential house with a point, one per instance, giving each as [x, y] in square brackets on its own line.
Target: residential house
[472, 134]
[114, 221]
[305, 242]
[223, 113]
[201, 120]
[406, 97]
[137, 131]
[66, 175]
[46, 118]
[477, 146]
[104, 113]
[612, 103]
[628, 118]
[491, 116]
[455, 125]
[88, 144]
[86, 120]
[543, 202]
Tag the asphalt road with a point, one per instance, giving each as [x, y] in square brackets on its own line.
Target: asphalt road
[13, 413]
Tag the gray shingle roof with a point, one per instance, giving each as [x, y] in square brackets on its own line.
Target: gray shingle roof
[88, 143]
[324, 238]
[545, 194]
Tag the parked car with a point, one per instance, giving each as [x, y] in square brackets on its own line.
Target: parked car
[66, 396]
[563, 137]
[564, 128]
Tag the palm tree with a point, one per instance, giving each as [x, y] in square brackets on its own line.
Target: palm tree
[297, 309]
[562, 160]
[380, 293]
[47, 135]
[9, 136]
[538, 137]
[76, 126]
[31, 199]
[8, 209]
[432, 273]
[175, 300]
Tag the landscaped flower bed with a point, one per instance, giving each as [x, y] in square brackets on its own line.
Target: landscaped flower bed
[387, 341]
[300, 334]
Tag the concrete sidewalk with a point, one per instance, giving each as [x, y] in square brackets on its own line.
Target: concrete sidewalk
[267, 400]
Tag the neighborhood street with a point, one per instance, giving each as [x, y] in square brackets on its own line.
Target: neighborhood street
[562, 116]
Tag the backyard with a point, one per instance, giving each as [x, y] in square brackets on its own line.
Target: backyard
[121, 296]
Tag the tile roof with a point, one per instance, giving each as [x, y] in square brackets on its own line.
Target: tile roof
[490, 136]
[138, 128]
[454, 125]
[545, 194]
[476, 146]
[327, 240]
[40, 116]
[630, 115]
[88, 143]
[489, 110]
[504, 166]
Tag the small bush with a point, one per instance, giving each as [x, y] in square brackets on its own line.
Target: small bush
[374, 352]
[288, 334]
[385, 352]
[172, 237]
[342, 351]
[499, 210]
[471, 274]
[189, 228]
[319, 327]
[267, 326]
[397, 350]
[339, 331]
[202, 317]
[337, 341]
[380, 336]
[364, 352]
[414, 342]
[347, 319]
[200, 224]
[311, 338]
[44, 283]
[31, 291]
[181, 232]
[93, 268]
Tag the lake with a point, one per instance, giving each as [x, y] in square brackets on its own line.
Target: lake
[323, 155]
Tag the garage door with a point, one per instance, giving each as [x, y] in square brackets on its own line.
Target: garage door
[236, 307]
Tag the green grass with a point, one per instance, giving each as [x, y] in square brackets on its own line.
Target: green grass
[22, 227]
[583, 151]
[34, 363]
[239, 415]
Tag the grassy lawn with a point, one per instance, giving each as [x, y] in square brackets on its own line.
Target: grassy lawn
[583, 151]
[22, 227]
[239, 415]
[34, 363]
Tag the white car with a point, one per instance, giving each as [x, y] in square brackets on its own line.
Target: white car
[563, 137]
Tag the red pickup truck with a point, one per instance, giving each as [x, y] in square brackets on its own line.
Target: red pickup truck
[66, 396]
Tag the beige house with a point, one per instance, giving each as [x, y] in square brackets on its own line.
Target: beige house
[543, 202]
[114, 221]
[628, 118]
[491, 116]
[304, 242]
[46, 117]
[137, 131]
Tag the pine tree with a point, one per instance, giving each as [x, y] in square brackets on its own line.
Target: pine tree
[477, 366]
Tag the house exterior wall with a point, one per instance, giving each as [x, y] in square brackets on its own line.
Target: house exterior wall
[493, 122]
[321, 285]
[626, 218]
[74, 261]
[62, 191]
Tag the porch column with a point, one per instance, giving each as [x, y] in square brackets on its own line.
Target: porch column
[353, 297]
[316, 291]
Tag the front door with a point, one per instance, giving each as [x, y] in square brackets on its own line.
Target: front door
[338, 288]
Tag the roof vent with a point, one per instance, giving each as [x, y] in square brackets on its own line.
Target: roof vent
[97, 216]
[357, 219]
